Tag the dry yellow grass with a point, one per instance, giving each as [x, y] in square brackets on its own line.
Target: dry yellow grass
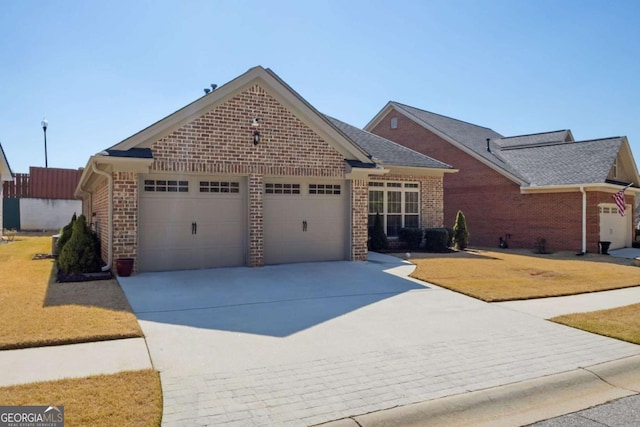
[503, 276]
[124, 399]
[37, 311]
[622, 323]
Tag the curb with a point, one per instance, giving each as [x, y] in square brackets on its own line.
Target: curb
[515, 404]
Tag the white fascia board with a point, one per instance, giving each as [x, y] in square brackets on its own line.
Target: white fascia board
[604, 187]
[418, 171]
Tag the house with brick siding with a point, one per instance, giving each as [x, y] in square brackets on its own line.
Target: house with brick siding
[252, 174]
[522, 188]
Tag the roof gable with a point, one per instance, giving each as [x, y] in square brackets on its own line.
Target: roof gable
[387, 152]
[269, 82]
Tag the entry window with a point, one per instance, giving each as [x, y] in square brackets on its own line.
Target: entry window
[271, 188]
[219, 187]
[324, 189]
[397, 203]
[166, 186]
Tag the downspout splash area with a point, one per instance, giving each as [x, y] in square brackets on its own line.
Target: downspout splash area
[109, 214]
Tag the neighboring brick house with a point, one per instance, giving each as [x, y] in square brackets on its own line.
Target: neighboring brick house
[5, 176]
[251, 174]
[525, 187]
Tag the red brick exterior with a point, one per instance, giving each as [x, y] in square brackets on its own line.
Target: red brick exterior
[492, 203]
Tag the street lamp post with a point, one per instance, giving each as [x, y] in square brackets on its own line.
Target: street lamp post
[44, 124]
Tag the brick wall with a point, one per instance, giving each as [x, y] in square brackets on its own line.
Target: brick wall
[492, 204]
[221, 142]
[359, 215]
[99, 207]
[125, 216]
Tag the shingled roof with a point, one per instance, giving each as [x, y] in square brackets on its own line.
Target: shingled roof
[582, 162]
[540, 159]
[384, 151]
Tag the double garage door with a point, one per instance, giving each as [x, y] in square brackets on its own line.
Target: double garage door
[191, 222]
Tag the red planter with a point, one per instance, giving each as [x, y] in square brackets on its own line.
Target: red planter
[124, 266]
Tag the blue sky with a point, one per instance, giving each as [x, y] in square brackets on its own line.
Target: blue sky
[101, 71]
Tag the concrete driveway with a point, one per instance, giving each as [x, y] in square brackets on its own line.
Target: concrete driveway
[303, 344]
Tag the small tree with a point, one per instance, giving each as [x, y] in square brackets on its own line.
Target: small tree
[81, 253]
[378, 237]
[65, 234]
[460, 232]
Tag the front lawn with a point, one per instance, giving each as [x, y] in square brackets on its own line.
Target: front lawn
[622, 323]
[126, 399]
[36, 311]
[512, 275]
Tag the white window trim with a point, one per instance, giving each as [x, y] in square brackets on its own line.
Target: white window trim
[385, 189]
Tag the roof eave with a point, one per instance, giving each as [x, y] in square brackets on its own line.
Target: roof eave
[564, 188]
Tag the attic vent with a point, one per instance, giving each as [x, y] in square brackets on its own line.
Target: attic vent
[394, 123]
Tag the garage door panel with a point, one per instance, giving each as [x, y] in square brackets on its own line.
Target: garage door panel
[168, 239]
[614, 227]
[285, 237]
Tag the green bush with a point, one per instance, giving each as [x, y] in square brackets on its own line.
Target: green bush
[65, 234]
[449, 236]
[436, 239]
[378, 239]
[411, 236]
[81, 254]
[460, 232]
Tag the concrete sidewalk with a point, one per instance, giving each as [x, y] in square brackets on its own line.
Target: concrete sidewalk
[73, 361]
[546, 308]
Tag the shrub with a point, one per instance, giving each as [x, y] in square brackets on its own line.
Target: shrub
[450, 236]
[436, 239]
[65, 234]
[378, 239]
[411, 236]
[460, 232]
[81, 254]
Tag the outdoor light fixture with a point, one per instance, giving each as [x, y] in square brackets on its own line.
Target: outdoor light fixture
[44, 124]
[256, 132]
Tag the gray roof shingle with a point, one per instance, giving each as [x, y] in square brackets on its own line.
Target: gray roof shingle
[535, 138]
[473, 137]
[582, 162]
[541, 159]
[385, 151]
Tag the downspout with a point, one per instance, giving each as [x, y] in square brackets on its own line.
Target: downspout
[109, 213]
[584, 219]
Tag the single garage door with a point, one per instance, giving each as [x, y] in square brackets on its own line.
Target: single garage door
[304, 221]
[614, 227]
[191, 222]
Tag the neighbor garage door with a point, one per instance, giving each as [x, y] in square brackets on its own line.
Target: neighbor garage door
[191, 222]
[614, 227]
[304, 221]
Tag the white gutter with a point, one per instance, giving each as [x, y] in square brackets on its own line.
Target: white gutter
[109, 213]
[584, 219]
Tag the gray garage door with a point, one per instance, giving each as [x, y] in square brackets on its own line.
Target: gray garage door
[191, 222]
[304, 221]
